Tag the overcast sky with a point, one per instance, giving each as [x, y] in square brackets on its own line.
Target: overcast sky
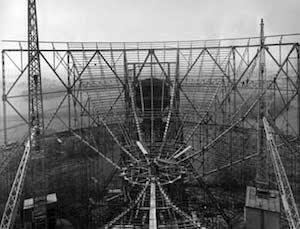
[146, 20]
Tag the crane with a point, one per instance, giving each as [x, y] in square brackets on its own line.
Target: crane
[284, 187]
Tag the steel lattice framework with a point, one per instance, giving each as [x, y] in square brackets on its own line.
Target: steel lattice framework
[33, 147]
[177, 115]
[287, 196]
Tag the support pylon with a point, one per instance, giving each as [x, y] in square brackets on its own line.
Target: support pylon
[36, 119]
[262, 168]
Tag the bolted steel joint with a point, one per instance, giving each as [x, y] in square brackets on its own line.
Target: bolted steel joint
[4, 97]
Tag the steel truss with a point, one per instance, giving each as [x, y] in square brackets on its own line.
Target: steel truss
[284, 187]
[208, 106]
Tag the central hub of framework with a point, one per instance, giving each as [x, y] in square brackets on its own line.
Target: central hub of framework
[164, 169]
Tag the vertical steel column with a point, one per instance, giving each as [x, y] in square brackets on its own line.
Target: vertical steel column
[4, 98]
[234, 78]
[287, 99]
[21, 55]
[152, 209]
[36, 119]
[152, 94]
[128, 121]
[298, 87]
[126, 92]
[229, 116]
[82, 111]
[89, 120]
[76, 111]
[261, 173]
[177, 95]
[69, 89]
[231, 150]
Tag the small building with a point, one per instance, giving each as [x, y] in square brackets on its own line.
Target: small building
[51, 211]
[262, 209]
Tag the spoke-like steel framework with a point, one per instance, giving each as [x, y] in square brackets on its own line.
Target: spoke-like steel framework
[177, 114]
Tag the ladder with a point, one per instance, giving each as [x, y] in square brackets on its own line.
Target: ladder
[285, 190]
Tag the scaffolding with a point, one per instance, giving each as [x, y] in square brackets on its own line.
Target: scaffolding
[178, 119]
